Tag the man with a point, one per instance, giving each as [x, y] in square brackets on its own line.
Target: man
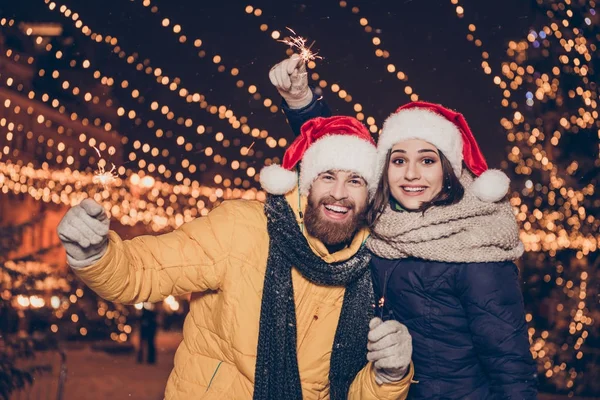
[148, 328]
[281, 292]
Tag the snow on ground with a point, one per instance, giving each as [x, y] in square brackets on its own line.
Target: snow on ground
[97, 375]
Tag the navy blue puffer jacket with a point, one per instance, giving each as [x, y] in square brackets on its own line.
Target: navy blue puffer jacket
[467, 323]
[297, 117]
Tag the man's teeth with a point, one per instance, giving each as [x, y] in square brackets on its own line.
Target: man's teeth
[414, 189]
[337, 209]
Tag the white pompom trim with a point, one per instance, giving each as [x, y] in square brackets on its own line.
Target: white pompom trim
[491, 186]
[339, 152]
[423, 124]
[277, 180]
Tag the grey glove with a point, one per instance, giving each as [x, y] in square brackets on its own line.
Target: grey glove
[291, 81]
[390, 350]
[84, 233]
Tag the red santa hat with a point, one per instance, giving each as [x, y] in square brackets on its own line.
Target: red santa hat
[334, 143]
[448, 131]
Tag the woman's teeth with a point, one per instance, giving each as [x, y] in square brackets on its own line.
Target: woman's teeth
[414, 189]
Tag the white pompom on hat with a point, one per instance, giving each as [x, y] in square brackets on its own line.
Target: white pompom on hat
[448, 131]
[334, 143]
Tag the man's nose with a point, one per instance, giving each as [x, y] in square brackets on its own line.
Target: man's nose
[339, 190]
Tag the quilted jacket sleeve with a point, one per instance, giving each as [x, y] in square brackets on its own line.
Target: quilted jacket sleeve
[492, 299]
[296, 117]
[364, 386]
[193, 258]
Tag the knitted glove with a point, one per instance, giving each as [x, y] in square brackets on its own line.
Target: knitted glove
[84, 233]
[390, 350]
[291, 81]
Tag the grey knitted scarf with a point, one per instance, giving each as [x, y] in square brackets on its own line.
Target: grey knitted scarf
[469, 231]
[277, 375]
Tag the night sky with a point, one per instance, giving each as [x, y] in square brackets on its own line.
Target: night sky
[426, 40]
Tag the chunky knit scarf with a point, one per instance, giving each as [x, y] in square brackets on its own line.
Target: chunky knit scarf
[277, 375]
[468, 231]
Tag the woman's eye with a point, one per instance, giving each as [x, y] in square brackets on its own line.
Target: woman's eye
[398, 161]
[428, 161]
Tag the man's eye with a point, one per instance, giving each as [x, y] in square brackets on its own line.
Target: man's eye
[327, 177]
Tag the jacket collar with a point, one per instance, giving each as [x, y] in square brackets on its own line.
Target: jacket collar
[298, 204]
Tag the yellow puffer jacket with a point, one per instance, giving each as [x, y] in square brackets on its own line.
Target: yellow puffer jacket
[221, 259]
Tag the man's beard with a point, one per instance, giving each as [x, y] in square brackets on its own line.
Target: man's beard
[333, 233]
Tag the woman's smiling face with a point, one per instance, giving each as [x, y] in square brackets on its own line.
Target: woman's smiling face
[415, 173]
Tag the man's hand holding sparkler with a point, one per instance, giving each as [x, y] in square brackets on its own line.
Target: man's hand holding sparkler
[291, 80]
[84, 233]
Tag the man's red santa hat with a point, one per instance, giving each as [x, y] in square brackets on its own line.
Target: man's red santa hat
[448, 131]
[324, 144]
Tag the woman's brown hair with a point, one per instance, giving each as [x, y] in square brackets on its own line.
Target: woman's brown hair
[452, 191]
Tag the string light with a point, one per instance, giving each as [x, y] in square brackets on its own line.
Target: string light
[380, 51]
[72, 196]
[7, 22]
[138, 198]
[35, 285]
[45, 121]
[246, 129]
[555, 238]
[554, 214]
[485, 55]
[36, 116]
[213, 196]
[177, 29]
[255, 132]
[187, 146]
[245, 151]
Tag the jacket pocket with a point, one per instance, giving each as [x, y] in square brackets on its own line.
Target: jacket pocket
[219, 385]
[213, 376]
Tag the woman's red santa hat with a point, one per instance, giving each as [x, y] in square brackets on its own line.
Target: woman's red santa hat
[324, 144]
[448, 131]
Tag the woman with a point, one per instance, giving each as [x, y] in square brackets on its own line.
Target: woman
[443, 242]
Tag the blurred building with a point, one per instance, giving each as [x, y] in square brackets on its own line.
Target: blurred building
[40, 127]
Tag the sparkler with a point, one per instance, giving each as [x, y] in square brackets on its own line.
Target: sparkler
[299, 43]
[102, 176]
[380, 306]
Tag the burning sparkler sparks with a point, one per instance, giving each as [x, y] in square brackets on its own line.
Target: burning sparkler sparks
[102, 176]
[299, 43]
